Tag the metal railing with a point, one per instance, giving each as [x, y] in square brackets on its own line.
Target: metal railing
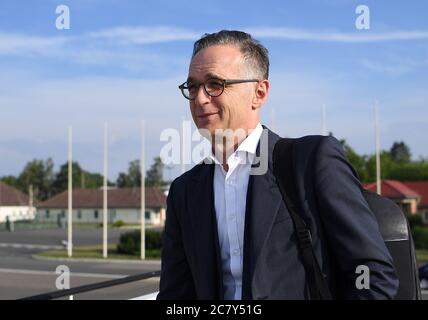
[91, 287]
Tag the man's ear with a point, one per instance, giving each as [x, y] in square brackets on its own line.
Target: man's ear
[261, 94]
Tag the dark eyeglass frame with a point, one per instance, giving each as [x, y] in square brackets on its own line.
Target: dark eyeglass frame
[225, 83]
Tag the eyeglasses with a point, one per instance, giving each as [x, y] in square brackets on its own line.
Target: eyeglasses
[213, 87]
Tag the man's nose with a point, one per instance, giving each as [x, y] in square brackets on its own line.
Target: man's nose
[202, 97]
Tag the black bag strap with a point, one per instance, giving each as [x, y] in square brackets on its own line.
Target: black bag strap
[283, 171]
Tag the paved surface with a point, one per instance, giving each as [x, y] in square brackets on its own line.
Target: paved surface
[22, 276]
[81, 236]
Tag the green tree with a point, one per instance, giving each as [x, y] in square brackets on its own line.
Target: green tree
[80, 179]
[132, 178]
[415, 170]
[10, 180]
[92, 180]
[357, 161]
[39, 174]
[400, 152]
[60, 183]
[387, 165]
[154, 177]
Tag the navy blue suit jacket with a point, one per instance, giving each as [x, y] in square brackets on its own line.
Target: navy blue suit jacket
[345, 232]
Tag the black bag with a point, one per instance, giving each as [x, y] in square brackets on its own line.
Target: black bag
[392, 222]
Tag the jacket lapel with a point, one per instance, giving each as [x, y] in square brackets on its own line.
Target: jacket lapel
[205, 236]
[262, 206]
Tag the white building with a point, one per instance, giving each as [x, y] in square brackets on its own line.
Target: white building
[123, 204]
[14, 204]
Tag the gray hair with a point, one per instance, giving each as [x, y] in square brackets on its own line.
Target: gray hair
[255, 55]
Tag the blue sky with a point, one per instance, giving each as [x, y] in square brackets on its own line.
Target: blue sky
[121, 62]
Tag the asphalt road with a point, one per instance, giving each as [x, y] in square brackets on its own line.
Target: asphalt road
[21, 275]
[81, 236]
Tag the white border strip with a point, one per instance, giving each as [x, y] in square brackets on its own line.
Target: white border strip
[150, 296]
[30, 246]
[72, 274]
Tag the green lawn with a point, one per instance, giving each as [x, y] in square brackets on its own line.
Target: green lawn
[100, 225]
[96, 252]
[421, 256]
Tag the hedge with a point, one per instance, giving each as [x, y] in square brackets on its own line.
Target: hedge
[130, 242]
[420, 237]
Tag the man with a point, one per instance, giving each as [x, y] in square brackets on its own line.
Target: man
[228, 233]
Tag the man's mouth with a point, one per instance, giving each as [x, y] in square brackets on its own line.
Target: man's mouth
[206, 115]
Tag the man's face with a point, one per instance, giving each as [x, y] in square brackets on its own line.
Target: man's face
[232, 109]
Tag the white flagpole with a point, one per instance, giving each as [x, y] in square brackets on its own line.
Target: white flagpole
[70, 187]
[323, 125]
[377, 135]
[105, 194]
[183, 165]
[143, 199]
[272, 115]
[30, 204]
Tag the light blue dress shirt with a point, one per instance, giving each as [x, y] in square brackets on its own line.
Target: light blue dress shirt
[230, 194]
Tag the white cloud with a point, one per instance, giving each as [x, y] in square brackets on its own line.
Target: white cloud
[145, 35]
[16, 44]
[118, 38]
[35, 122]
[129, 49]
[394, 65]
[87, 51]
[297, 100]
[149, 35]
[390, 69]
[334, 36]
[37, 115]
[34, 108]
[87, 102]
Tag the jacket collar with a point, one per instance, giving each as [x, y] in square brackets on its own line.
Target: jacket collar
[262, 206]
